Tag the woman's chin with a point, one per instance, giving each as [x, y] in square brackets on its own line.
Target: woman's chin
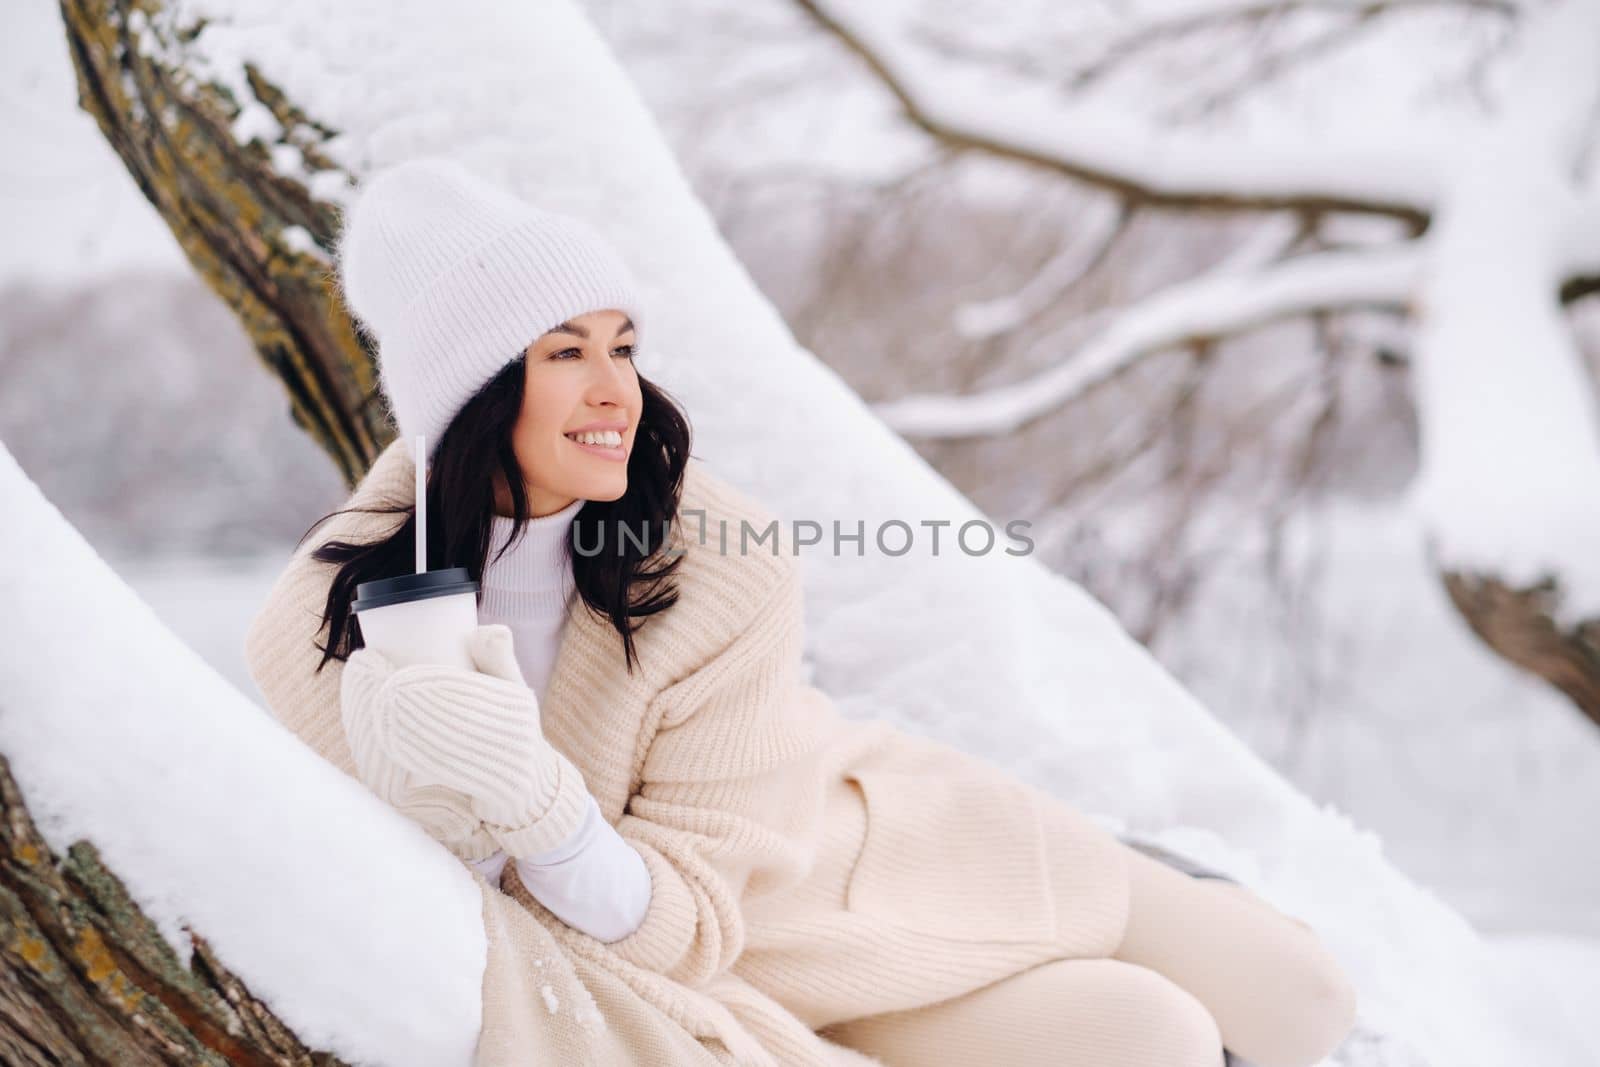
[611, 488]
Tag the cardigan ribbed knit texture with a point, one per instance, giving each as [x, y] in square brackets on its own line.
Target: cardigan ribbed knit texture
[806, 868]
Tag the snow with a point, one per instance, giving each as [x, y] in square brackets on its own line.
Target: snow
[1564, 975]
[993, 653]
[207, 602]
[343, 916]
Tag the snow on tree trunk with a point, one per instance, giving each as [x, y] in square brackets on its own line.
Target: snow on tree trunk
[89, 979]
[182, 880]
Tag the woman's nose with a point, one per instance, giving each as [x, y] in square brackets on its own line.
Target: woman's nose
[609, 380]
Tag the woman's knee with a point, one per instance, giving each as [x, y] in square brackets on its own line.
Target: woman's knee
[1135, 1015]
[1325, 1010]
[1278, 995]
[1310, 979]
[1164, 1023]
[1088, 1012]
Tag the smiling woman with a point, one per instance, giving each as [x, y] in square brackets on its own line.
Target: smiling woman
[710, 820]
[503, 333]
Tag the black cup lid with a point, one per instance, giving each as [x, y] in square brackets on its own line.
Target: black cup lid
[408, 587]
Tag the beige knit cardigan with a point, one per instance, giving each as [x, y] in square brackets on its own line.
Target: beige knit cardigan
[806, 868]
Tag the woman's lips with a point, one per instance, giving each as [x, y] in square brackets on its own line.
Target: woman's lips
[617, 453]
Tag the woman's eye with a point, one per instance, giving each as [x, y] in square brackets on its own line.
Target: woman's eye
[578, 352]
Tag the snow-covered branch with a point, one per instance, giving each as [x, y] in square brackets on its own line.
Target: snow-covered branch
[361, 932]
[1213, 306]
[1098, 143]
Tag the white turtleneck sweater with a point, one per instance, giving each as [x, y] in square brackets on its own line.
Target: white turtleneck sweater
[593, 881]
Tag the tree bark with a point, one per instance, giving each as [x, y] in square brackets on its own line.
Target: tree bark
[232, 213]
[85, 976]
[1519, 624]
[88, 979]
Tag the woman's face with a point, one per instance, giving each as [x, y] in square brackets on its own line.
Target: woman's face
[579, 375]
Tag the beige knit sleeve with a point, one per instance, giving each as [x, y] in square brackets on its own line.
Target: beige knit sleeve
[726, 782]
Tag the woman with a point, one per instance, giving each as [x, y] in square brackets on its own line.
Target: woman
[637, 759]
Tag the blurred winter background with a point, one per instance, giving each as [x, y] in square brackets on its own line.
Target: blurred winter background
[1235, 494]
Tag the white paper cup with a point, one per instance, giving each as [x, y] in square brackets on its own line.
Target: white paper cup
[420, 618]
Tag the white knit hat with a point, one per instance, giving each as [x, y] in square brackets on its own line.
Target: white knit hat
[454, 277]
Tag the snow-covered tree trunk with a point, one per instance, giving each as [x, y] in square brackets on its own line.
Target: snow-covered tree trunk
[1509, 489]
[194, 143]
[183, 880]
[87, 978]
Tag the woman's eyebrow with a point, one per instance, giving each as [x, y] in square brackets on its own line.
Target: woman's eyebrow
[574, 328]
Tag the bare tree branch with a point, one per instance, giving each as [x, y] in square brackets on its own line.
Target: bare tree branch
[976, 320]
[1269, 64]
[1151, 31]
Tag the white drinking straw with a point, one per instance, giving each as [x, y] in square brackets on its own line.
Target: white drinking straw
[422, 504]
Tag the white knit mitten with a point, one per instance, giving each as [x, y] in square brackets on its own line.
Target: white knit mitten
[478, 732]
[446, 814]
